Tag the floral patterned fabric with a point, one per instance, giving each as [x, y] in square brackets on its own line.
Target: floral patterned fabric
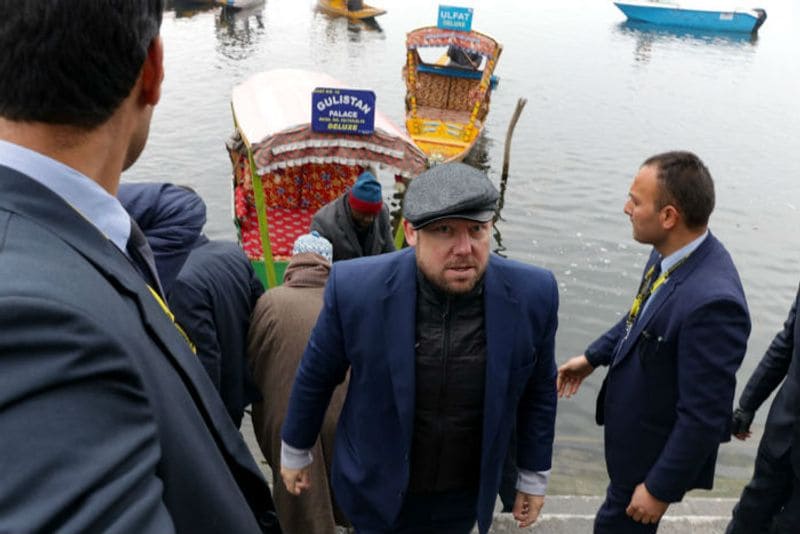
[292, 196]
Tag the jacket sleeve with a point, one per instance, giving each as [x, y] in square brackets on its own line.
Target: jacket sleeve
[80, 449]
[536, 413]
[773, 366]
[601, 351]
[193, 312]
[711, 346]
[386, 231]
[323, 366]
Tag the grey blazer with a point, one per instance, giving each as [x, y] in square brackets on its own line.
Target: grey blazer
[108, 421]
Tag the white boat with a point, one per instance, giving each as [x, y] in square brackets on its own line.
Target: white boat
[699, 15]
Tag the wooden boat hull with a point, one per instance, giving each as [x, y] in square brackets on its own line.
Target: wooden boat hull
[340, 9]
[698, 19]
[442, 141]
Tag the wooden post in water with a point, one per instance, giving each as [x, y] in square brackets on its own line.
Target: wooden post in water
[506, 153]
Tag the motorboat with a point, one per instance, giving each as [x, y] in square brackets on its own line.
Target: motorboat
[699, 15]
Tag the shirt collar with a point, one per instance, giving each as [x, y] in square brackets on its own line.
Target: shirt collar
[82, 193]
[678, 255]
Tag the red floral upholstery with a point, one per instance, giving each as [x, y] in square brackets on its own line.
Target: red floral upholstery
[292, 197]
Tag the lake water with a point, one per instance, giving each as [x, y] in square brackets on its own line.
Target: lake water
[602, 96]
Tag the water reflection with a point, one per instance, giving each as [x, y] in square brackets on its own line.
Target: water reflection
[238, 31]
[646, 35]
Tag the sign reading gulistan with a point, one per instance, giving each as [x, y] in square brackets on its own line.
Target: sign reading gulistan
[349, 111]
[455, 18]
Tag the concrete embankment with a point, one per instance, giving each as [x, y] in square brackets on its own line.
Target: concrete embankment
[572, 514]
[565, 514]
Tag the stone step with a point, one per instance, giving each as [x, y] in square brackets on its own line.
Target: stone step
[572, 514]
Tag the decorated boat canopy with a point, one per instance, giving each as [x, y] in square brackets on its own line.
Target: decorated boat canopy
[272, 110]
[432, 36]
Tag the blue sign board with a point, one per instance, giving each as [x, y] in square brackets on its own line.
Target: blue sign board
[455, 18]
[348, 111]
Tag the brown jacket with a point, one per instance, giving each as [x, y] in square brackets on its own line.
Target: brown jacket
[279, 330]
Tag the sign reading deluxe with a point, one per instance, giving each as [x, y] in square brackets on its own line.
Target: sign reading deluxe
[455, 18]
[349, 111]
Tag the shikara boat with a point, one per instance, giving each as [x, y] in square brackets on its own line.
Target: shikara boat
[447, 95]
[339, 8]
[284, 171]
[694, 14]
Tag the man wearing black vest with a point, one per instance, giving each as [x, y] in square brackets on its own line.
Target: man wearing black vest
[447, 346]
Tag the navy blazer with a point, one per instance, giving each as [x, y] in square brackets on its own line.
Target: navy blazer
[367, 324]
[781, 361]
[109, 422]
[671, 382]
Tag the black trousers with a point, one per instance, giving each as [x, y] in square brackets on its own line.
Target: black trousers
[611, 517]
[770, 503]
[435, 513]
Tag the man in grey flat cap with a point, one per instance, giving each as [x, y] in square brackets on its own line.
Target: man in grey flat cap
[448, 347]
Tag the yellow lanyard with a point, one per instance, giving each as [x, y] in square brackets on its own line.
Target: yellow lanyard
[646, 288]
[172, 318]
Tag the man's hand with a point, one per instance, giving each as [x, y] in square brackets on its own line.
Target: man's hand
[526, 508]
[571, 375]
[295, 480]
[644, 508]
[742, 419]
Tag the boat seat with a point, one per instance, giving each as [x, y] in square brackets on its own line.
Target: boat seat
[444, 115]
[292, 197]
[446, 92]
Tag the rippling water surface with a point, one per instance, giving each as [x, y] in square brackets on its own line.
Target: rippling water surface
[602, 95]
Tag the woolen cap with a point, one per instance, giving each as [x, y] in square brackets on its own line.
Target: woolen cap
[314, 243]
[365, 195]
[450, 191]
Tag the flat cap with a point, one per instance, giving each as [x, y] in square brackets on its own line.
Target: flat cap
[450, 191]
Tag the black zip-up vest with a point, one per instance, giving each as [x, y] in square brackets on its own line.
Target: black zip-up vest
[450, 374]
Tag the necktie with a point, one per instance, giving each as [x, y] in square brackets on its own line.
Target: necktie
[142, 257]
[648, 285]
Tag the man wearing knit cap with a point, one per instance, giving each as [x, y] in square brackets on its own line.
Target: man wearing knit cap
[448, 347]
[356, 223]
[281, 323]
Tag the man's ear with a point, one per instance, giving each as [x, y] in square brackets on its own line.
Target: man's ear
[153, 72]
[411, 234]
[670, 217]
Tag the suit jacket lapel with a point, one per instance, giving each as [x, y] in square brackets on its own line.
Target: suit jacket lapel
[663, 295]
[399, 315]
[28, 198]
[501, 312]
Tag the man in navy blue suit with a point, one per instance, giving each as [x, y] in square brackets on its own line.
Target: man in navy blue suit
[108, 421]
[447, 346]
[667, 398]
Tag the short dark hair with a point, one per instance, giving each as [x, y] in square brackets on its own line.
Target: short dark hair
[72, 62]
[686, 184]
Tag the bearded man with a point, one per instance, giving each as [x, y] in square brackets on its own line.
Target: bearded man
[448, 346]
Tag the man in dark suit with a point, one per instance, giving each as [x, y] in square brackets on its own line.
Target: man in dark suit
[770, 503]
[447, 346]
[109, 422]
[667, 398]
